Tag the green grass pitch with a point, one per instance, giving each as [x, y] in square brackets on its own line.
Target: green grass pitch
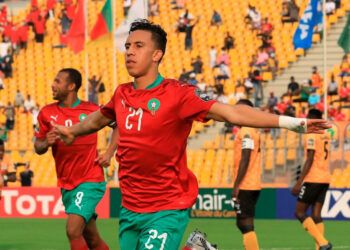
[49, 234]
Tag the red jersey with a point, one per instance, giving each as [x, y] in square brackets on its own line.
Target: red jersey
[154, 124]
[75, 163]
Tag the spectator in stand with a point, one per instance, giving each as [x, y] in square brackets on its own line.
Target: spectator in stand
[65, 22]
[224, 72]
[19, 99]
[26, 176]
[5, 45]
[192, 79]
[293, 87]
[35, 113]
[6, 64]
[212, 57]
[29, 104]
[258, 88]
[344, 93]
[262, 58]
[50, 6]
[339, 116]
[253, 17]
[330, 7]
[248, 85]
[39, 29]
[202, 85]
[216, 19]
[197, 65]
[316, 78]
[344, 67]
[332, 87]
[23, 32]
[305, 91]
[188, 37]
[223, 58]
[10, 116]
[94, 85]
[184, 76]
[290, 11]
[229, 42]
[303, 113]
[272, 101]
[127, 5]
[33, 16]
[314, 98]
[265, 28]
[153, 8]
[178, 4]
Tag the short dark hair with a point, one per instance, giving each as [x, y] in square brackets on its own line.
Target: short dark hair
[314, 114]
[74, 76]
[159, 36]
[245, 102]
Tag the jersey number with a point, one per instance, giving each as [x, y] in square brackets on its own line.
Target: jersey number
[133, 112]
[153, 234]
[325, 150]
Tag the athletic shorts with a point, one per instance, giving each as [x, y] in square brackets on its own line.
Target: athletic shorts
[83, 199]
[247, 200]
[161, 230]
[311, 193]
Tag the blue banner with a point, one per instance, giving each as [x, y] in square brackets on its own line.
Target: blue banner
[312, 17]
[336, 205]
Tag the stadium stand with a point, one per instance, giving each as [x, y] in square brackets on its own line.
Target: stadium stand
[213, 163]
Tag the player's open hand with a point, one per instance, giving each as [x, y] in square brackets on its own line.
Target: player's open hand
[104, 160]
[317, 126]
[63, 133]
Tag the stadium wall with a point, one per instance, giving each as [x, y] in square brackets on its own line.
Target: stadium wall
[211, 203]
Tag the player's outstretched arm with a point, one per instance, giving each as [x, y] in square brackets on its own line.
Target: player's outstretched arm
[244, 115]
[92, 123]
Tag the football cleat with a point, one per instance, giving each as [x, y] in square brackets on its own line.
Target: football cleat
[326, 247]
[198, 241]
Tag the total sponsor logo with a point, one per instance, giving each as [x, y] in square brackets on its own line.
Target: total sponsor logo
[17, 204]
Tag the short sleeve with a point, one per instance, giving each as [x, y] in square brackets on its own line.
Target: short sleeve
[43, 127]
[310, 141]
[108, 110]
[194, 104]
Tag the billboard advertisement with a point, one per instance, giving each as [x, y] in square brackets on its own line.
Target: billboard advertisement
[31, 202]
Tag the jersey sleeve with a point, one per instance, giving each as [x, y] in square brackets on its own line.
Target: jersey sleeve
[108, 110]
[43, 128]
[194, 104]
[311, 141]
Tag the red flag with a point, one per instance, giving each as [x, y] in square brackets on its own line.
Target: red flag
[76, 33]
[104, 23]
[34, 3]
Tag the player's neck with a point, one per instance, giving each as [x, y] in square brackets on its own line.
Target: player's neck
[146, 81]
[70, 102]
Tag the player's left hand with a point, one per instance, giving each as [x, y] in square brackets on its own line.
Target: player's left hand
[104, 160]
[317, 126]
[296, 189]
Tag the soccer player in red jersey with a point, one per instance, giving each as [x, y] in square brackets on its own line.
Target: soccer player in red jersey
[79, 168]
[154, 116]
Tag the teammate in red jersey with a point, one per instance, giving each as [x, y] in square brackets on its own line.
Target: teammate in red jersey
[154, 118]
[78, 166]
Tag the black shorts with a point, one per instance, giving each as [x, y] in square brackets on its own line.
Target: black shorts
[247, 200]
[311, 193]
